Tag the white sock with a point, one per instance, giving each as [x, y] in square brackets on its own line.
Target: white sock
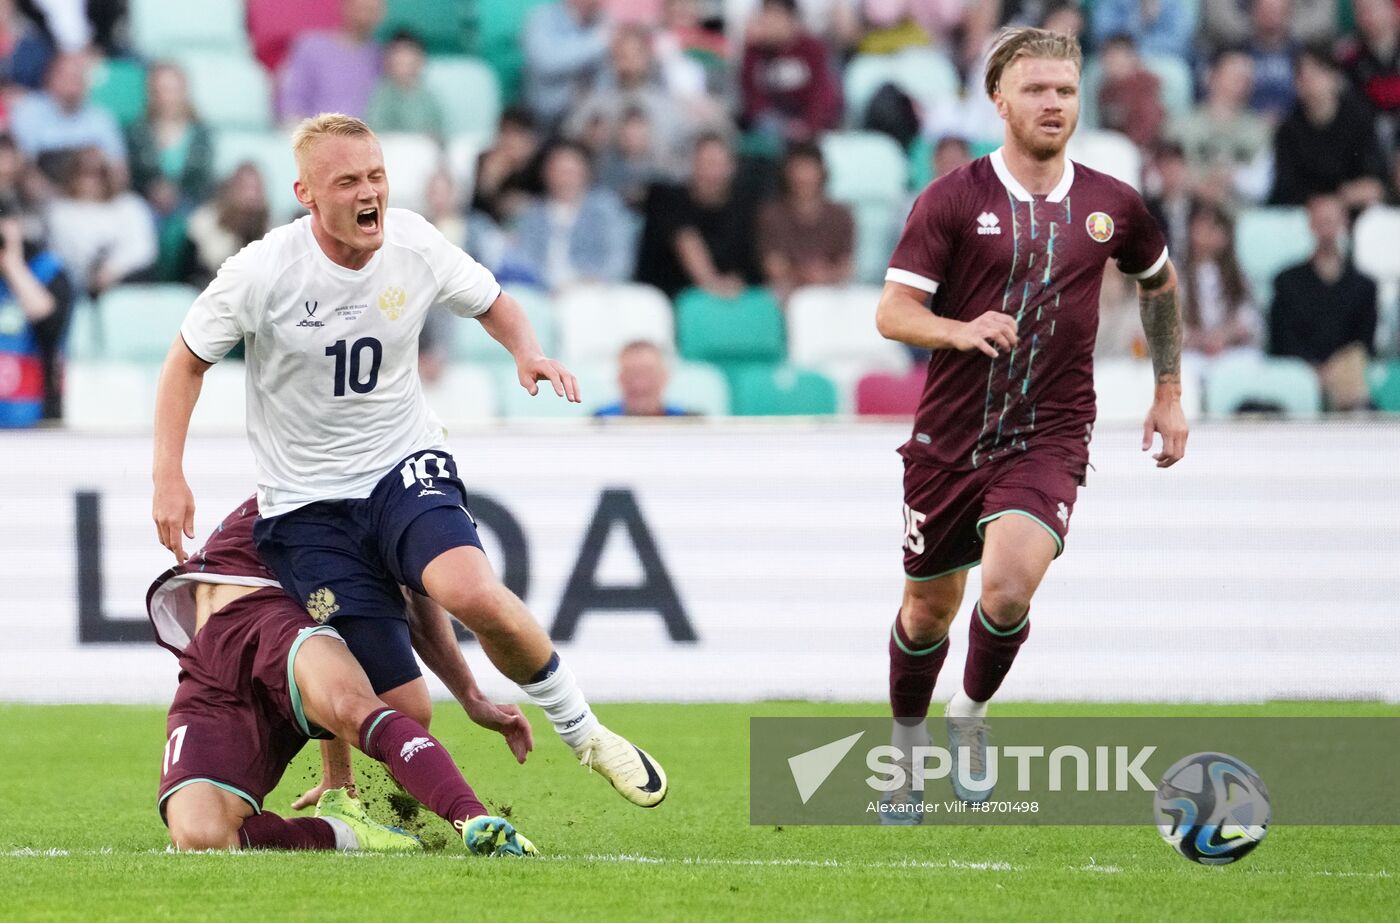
[908, 735]
[960, 706]
[563, 702]
[345, 839]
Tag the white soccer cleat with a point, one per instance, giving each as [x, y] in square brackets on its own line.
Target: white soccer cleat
[636, 776]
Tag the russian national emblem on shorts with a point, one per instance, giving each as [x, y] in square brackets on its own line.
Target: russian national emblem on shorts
[1100, 227]
[392, 300]
[321, 605]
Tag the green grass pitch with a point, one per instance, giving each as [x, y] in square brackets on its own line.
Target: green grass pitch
[80, 840]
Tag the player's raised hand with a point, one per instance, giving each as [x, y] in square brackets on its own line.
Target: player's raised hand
[506, 720]
[172, 508]
[992, 333]
[1167, 418]
[541, 368]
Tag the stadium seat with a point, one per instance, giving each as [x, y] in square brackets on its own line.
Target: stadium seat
[748, 328]
[139, 322]
[271, 152]
[440, 24]
[463, 396]
[1384, 380]
[1108, 152]
[472, 344]
[831, 325]
[699, 388]
[1376, 249]
[596, 321]
[229, 89]
[462, 153]
[165, 28]
[119, 86]
[469, 93]
[1124, 389]
[410, 160]
[1233, 382]
[83, 342]
[223, 400]
[923, 74]
[1268, 241]
[109, 396]
[496, 39]
[517, 403]
[274, 24]
[782, 391]
[884, 395]
[864, 166]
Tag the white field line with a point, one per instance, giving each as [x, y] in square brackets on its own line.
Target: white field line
[694, 861]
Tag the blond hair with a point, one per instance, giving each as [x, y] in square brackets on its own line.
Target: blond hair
[327, 124]
[1026, 42]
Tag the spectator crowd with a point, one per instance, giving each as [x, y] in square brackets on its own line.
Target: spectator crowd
[684, 144]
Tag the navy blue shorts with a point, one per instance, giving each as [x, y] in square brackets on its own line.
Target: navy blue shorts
[345, 560]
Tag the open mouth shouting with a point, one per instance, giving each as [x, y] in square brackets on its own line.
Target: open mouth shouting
[368, 219]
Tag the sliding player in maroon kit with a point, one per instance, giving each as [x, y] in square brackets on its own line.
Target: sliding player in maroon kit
[998, 273]
[259, 676]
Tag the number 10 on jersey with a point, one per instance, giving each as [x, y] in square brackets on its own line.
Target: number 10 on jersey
[360, 382]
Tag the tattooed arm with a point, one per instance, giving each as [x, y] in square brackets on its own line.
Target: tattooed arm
[1161, 321]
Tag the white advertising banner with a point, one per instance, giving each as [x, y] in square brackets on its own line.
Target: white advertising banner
[733, 561]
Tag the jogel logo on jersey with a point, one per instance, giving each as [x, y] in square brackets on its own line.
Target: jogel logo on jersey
[392, 300]
[321, 605]
[1099, 226]
[310, 319]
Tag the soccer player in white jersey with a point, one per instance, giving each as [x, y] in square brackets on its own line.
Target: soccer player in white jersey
[358, 492]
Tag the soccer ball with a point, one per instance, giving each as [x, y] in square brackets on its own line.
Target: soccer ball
[1212, 808]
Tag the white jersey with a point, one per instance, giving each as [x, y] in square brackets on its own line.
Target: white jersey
[334, 398]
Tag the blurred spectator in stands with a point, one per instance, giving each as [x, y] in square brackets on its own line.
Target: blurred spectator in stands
[1230, 22]
[507, 173]
[273, 26]
[950, 153]
[103, 234]
[688, 51]
[642, 376]
[216, 230]
[25, 51]
[67, 21]
[60, 119]
[888, 26]
[1217, 309]
[645, 13]
[1372, 58]
[566, 47]
[789, 90]
[1130, 95]
[1226, 144]
[108, 20]
[444, 210]
[1328, 143]
[1324, 310]
[700, 235]
[804, 238]
[1065, 17]
[1171, 201]
[631, 81]
[333, 70]
[1273, 48]
[629, 163]
[36, 301]
[401, 101]
[834, 22]
[578, 232]
[1160, 27]
[171, 150]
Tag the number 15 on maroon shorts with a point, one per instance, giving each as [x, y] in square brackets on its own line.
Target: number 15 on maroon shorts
[946, 512]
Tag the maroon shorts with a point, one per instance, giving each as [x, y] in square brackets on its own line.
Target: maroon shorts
[946, 512]
[237, 719]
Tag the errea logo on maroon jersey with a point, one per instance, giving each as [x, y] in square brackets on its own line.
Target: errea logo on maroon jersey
[987, 223]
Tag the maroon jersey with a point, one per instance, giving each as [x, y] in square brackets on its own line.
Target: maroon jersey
[229, 556]
[978, 241]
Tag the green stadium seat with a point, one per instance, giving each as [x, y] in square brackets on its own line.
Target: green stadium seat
[1268, 241]
[171, 230]
[1232, 382]
[441, 24]
[229, 89]
[139, 322]
[782, 391]
[163, 28]
[472, 344]
[748, 328]
[496, 39]
[119, 86]
[469, 92]
[84, 338]
[1384, 379]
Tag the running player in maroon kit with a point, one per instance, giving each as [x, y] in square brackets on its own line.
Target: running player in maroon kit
[259, 676]
[998, 273]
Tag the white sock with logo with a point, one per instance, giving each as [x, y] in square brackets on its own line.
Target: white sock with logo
[559, 696]
[961, 706]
